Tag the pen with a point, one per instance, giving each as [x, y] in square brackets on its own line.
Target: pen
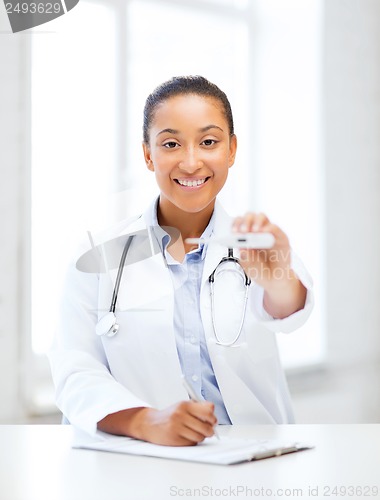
[194, 397]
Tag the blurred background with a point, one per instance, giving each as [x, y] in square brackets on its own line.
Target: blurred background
[303, 78]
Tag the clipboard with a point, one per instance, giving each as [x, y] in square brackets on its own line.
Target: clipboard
[223, 451]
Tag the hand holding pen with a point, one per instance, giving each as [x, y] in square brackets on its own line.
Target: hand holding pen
[193, 396]
[185, 423]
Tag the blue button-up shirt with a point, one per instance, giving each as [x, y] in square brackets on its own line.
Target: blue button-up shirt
[189, 333]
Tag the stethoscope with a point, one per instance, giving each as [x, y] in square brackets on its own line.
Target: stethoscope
[247, 281]
[108, 325]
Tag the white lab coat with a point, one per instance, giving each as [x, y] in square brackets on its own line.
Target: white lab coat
[95, 376]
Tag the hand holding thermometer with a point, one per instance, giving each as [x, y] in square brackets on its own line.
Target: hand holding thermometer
[238, 240]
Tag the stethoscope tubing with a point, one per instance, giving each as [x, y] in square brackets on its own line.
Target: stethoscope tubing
[229, 258]
[107, 325]
[112, 325]
[120, 274]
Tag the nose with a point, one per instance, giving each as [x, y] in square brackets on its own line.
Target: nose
[191, 161]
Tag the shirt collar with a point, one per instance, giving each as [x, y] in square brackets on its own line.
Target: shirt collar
[163, 238]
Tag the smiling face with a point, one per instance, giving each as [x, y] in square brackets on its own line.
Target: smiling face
[190, 151]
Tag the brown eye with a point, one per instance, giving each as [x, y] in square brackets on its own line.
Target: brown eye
[209, 142]
[170, 145]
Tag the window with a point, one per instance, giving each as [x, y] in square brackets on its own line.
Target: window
[162, 45]
[73, 148]
[288, 146]
[73, 154]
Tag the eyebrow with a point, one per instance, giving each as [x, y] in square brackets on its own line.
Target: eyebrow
[205, 129]
[168, 130]
[173, 131]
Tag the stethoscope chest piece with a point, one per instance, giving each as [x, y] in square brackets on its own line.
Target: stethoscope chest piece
[107, 325]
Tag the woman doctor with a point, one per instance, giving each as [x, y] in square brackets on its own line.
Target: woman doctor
[130, 384]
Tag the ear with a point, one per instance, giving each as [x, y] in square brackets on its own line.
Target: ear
[147, 156]
[233, 148]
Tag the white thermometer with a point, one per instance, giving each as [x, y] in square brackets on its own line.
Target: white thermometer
[238, 240]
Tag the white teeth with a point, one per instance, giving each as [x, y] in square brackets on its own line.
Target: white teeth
[194, 183]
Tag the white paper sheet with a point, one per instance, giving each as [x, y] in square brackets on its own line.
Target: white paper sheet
[225, 451]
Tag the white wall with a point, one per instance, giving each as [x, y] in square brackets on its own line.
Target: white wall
[347, 390]
[352, 121]
[12, 176]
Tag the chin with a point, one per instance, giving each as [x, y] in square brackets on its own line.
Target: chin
[195, 209]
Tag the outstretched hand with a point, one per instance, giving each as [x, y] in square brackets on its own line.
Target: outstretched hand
[271, 268]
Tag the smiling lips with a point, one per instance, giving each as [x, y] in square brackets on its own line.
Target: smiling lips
[191, 182]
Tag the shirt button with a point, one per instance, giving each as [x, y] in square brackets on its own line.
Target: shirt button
[192, 339]
[194, 378]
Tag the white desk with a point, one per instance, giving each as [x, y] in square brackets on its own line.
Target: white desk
[38, 463]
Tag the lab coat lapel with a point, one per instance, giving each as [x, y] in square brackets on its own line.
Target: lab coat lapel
[146, 341]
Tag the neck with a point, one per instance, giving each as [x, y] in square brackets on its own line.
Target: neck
[189, 224]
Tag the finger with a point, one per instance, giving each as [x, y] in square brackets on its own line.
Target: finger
[281, 238]
[185, 429]
[236, 225]
[258, 222]
[201, 418]
[182, 440]
[193, 412]
[204, 411]
[244, 224]
[250, 222]
[176, 426]
[196, 430]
